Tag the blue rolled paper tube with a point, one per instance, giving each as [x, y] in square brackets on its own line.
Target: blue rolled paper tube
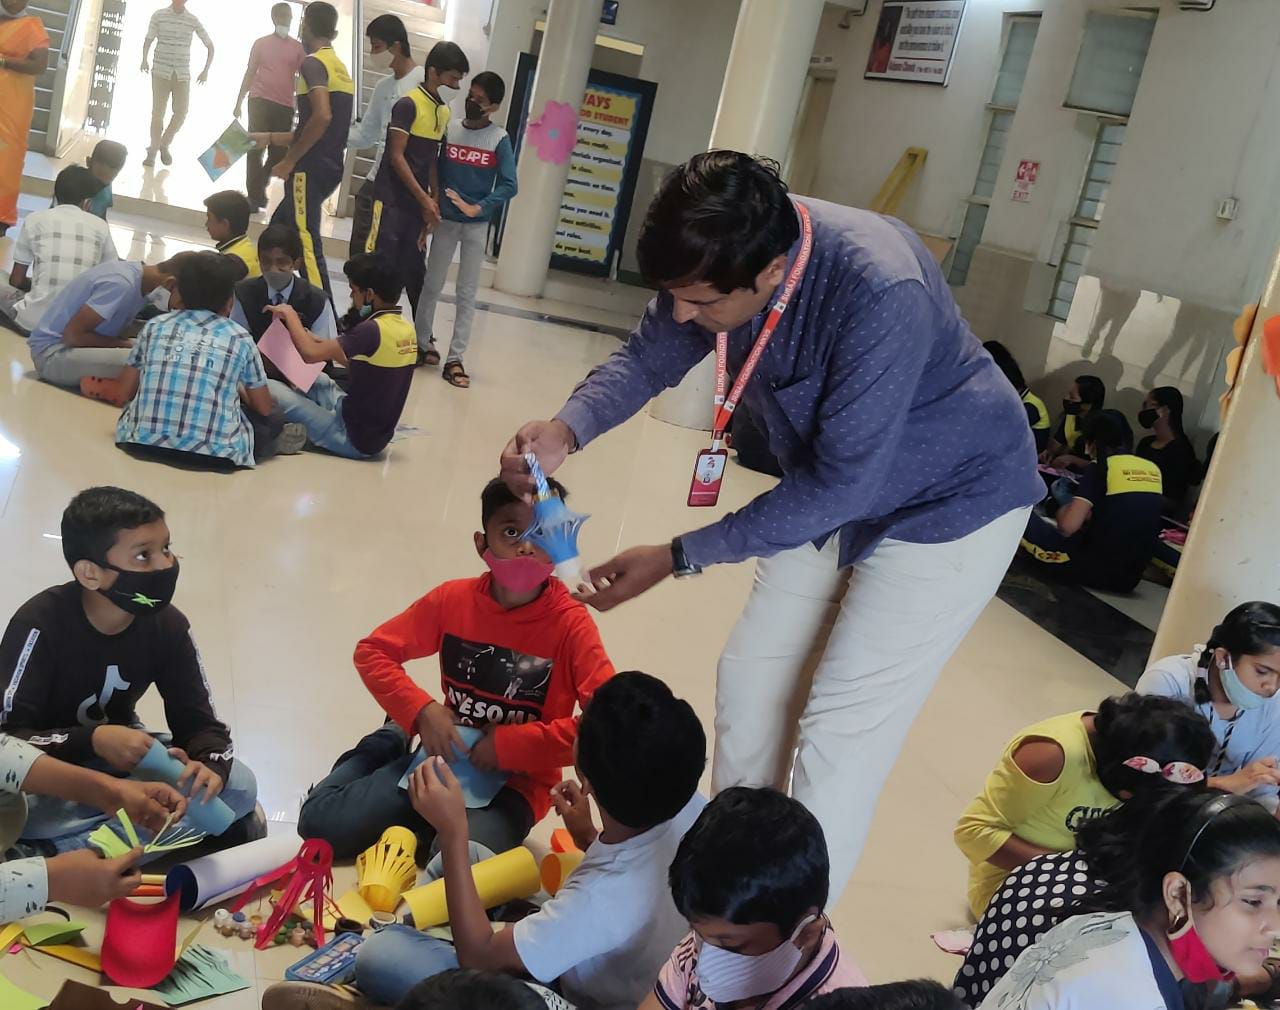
[555, 526]
[158, 765]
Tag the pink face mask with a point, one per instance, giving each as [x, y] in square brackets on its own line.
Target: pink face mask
[1193, 957]
[520, 575]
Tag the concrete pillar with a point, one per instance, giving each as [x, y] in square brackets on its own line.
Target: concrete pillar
[563, 65]
[1232, 554]
[759, 107]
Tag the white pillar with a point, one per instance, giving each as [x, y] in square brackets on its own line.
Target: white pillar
[759, 106]
[1232, 554]
[563, 64]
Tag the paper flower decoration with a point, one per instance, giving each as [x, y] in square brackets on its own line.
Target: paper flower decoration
[386, 869]
[555, 526]
[111, 845]
[554, 133]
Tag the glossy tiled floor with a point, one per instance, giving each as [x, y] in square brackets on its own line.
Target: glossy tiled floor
[285, 567]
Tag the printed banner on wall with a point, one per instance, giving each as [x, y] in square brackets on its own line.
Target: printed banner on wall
[915, 41]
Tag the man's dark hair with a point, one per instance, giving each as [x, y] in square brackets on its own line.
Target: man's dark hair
[921, 995]
[208, 280]
[642, 750]
[75, 184]
[720, 219]
[445, 56]
[280, 236]
[111, 153]
[496, 494]
[753, 855]
[375, 272]
[468, 989]
[173, 265]
[494, 87]
[231, 207]
[96, 516]
[321, 19]
[389, 30]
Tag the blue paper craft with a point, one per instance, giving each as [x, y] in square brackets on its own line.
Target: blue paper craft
[555, 526]
[478, 788]
[158, 765]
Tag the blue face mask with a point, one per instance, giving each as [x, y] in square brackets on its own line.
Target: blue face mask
[1239, 695]
[364, 311]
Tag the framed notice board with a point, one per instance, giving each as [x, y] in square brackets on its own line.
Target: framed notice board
[613, 121]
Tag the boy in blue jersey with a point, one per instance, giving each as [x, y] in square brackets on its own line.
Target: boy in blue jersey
[477, 176]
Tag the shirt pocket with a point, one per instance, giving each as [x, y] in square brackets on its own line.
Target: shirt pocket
[794, 412]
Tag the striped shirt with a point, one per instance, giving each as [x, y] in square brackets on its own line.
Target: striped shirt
[57, 245]
[172, 31]
[192, 364]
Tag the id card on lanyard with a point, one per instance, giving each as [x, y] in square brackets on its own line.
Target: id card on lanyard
[708, 467]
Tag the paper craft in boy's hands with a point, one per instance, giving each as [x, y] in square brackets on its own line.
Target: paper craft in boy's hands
[555, 529]
[229, 148]
[158, 765]
[478, 788]
[277, 347]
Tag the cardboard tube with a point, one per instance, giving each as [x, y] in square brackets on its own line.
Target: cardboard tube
[502, 878]
[562, 841]
[556, 867]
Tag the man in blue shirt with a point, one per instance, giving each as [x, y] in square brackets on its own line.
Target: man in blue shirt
[908, 474]
[82, 334]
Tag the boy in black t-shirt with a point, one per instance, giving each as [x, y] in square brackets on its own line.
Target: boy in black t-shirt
[76, 658]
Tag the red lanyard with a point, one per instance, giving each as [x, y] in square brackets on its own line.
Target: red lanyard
[725, 406]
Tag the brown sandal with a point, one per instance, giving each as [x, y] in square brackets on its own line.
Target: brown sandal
[430, 357]
[454, 374]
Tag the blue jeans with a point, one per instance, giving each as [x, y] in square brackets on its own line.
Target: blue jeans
[395, 959]
[68, 825]
[319, 410]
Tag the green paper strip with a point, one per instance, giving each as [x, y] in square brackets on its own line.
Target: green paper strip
[42, 933]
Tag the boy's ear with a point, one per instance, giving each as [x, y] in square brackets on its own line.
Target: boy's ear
[481, 543]
[88, 574]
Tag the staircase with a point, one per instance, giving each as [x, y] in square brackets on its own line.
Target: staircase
[425, 25]
[59, 17]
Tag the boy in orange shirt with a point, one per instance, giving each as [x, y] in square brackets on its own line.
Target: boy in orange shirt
[517, 653]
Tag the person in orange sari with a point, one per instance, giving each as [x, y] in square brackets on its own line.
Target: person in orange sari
[24, 56]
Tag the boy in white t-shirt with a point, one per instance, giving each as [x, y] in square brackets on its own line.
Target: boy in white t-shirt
[640, 752]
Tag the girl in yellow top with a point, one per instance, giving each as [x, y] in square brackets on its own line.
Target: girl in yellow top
[1059, 772]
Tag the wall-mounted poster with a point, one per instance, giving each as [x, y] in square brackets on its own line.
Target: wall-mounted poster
[915, 41]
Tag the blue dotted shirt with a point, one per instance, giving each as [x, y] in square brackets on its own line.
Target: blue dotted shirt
[886, 415]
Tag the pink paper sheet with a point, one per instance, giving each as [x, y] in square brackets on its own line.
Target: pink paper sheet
[277, 346]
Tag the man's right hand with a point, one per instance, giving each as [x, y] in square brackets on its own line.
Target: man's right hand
[438, 732]
[84, 878]
[550, 441]
[122, 747]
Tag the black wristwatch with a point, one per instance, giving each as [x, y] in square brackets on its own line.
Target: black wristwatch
[681, 566]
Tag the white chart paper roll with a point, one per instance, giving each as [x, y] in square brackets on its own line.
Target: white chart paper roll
[220, 875]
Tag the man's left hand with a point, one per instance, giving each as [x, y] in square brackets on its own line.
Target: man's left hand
[437, 797]
[627, 576]
[484, 754]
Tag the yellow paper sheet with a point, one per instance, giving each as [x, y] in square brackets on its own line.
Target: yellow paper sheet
[72, 955]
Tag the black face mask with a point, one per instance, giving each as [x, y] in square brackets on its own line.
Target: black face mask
[474, 109]
[1147, 418]
[142, 592]
[1071, 406]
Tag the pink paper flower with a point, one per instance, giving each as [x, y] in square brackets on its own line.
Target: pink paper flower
[554, 133]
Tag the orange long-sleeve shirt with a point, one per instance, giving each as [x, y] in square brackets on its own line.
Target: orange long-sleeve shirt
[523, 670]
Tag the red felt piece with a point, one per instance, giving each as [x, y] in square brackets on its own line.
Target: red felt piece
[140, 944]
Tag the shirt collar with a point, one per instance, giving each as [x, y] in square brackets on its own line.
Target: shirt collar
[224, 246]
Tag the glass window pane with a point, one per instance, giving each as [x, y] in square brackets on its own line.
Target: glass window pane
[993, 153]
[975, 220]
[1017, 57]
[1109, 64]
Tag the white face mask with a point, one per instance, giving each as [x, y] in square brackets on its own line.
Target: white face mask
[282, 31]
[159, 297]
[725, 976]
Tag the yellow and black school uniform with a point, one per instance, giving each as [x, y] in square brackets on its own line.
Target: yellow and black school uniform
[319, 172]
[246, 251]
[1070, 433]
[1113, 548]
[1038, 418]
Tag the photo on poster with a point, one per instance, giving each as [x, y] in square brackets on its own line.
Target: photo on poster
[915, 41]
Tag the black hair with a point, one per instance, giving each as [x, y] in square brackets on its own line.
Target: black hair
[279, 9]
[641, 749]
[1170, 397]
[1007, 363]
[94, 518]
[753, 855]
[375, 272]
[111, 153]
[1092, 390]
[920, 995]
[389, 30]
[494, 87]
[75, 184]
[1251, 629]
[231, 207]
[320, 19]
[208, 280]
[1153, 726]
[280, 236]
[468, 989]
[174, 264]
[446, 56]
[1204, 835]
[720, 218]
[1108, 431]
[496, 494]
